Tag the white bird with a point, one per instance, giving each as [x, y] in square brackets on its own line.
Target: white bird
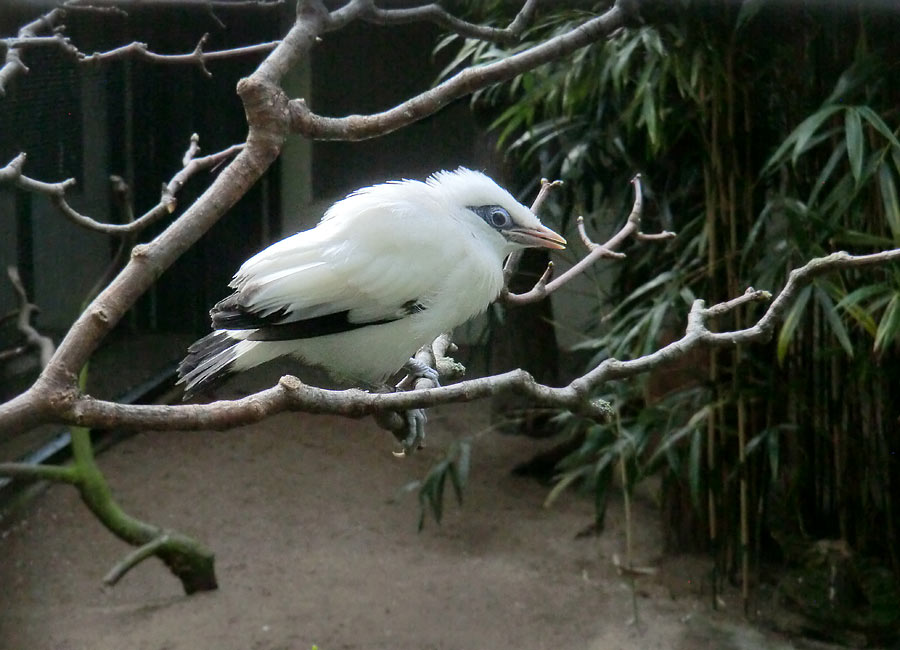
[387, 270]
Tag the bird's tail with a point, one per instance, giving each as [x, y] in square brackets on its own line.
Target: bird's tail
[222, 353]
[209, 361]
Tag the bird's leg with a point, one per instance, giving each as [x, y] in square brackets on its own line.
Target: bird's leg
[420, 370]
[415, 437]
[409, 426]
[416, 418]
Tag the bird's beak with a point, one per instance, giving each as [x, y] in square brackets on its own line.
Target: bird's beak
[540, 237]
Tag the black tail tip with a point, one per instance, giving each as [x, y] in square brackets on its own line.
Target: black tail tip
[190, 371]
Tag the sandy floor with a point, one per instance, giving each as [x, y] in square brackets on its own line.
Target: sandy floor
[311, 550]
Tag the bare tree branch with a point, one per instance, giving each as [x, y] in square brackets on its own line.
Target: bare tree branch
[28, 36]
[124, 5]
[198, 57]
[13, 64]
[292, 395]
[360, 127]
[544, 287]
[33, 338]
[127, 240]
[13, 352]
[436, 14]
[13, 172]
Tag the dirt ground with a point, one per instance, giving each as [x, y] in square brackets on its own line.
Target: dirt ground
[313, 548]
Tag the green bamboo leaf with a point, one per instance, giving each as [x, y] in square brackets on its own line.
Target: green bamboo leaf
[862, 294]
[834, 322]
[749, 8]
[650, 285]
[636, 330]
[622, 58]
[651, 335]
[649, 115]
[756, 441]
[791, 321]
[850, 304]
[601, 488]
[851, 237]
[889, 327]
[840, 196]
[671, 440]
[807, 129]
[889, 199]
[437, 498]
[774, 453]
[455, 483]
[458, 470]
[423, 505]
[825, 135]
[799, 137]
[827, 171]
[695, 466]
[560, 487]
[878, 124]
[463, 462]
[855, 143]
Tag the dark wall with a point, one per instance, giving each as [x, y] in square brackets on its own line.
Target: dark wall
[366, 69]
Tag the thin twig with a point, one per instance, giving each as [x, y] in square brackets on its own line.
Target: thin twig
[56, 192]
[127, 240]
[13, 352]
[124, 5]
[28, 37]
[198, 56]
[512, 262]
[33, 338]
[13, 64]
[632, 227]
[436, 14]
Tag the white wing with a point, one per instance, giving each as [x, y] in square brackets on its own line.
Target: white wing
[371, 263]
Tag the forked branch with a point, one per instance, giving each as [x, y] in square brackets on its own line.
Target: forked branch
[33, 35]
[359, 127]
[56, 192]
[632, 228]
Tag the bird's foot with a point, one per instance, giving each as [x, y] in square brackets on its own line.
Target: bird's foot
[421, 370]
[408, 428]
[415, 432]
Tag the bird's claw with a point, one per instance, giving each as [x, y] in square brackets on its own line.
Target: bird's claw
[415, 418]
[415, 436]
[421, 370]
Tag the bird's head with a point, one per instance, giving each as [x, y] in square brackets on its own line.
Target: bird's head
[492, 211]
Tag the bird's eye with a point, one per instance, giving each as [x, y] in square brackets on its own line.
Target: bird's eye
[494, 215]
[499, 217]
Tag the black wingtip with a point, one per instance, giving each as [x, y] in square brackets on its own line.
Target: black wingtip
[230, 314]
